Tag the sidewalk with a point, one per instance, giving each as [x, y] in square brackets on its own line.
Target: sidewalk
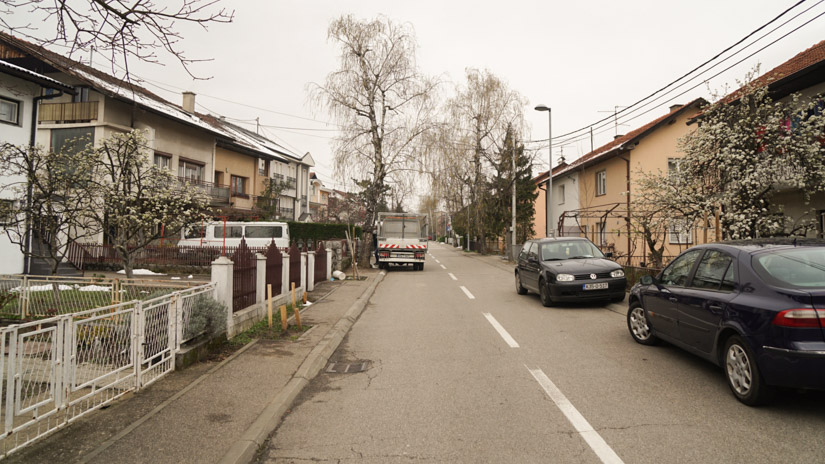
[213, 411]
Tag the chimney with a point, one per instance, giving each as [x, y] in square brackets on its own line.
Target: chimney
[189, 102]
[675, 107]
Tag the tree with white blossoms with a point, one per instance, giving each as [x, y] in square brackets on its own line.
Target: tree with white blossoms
[136, 199]
[748, 146]
[52, 198]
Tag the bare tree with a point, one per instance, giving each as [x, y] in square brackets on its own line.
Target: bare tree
[117, 29]
[482, 111]
[381, 101]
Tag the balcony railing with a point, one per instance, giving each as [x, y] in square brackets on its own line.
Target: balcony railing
[219, 193]
[67, 112]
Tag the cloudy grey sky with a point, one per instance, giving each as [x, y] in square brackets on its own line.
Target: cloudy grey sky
[581, 58]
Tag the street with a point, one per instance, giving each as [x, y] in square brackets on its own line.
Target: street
[459, 368]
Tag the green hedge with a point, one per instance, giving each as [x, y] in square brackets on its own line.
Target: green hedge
[304, 231]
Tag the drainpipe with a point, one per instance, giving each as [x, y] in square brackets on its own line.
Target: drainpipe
[627, 199]
[32, 136]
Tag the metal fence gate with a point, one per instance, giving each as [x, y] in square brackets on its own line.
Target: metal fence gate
[243, 275]
[56, 370]
[320, 263]
[294, 266]
[274, 268]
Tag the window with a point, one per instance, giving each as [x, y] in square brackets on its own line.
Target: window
[9, 111]
[261, 167]
[72, 140]
[601, 182]
[681, 232]
[6, 212]
[561, 194]
[677, 272]
[525, 250]
[238, 186]
[263, 232]
[163, 161]
[190, 170]
[231, 232]
[81, 95]
[714, 272]
[674, 165]
[533, 252]
[601, 228]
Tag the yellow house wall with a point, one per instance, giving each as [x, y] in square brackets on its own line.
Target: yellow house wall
[616, 183]
[540, 214]
[651, 156]
[229, 163]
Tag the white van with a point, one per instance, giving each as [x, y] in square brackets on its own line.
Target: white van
[256, 234]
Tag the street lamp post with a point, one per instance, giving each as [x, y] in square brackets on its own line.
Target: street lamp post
[549, 195]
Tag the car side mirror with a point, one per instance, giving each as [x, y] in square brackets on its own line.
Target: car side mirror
[646, 280]
[609, 254]
[532, 259]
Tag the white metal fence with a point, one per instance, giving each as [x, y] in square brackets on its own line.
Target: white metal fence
[56, 370]
[31, 297]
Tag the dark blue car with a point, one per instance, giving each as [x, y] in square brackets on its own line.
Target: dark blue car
[757, 309]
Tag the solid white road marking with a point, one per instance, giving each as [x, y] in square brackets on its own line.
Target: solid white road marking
[452, 276]
[443, 267]
[467, 292]
[506, 336]
[596, 442]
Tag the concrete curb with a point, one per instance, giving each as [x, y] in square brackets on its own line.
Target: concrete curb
[245, 449]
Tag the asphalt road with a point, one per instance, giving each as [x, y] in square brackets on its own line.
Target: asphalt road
[462, 369]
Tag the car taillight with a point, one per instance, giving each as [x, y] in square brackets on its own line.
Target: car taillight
[419, 256]
[810, 318]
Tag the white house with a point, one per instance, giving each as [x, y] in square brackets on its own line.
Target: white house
[21, 92]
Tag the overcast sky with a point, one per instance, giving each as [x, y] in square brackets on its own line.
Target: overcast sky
[581, 58]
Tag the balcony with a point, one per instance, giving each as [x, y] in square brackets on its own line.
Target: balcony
[67, 112]
[217, 192]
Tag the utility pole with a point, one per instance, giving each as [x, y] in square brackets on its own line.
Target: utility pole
[513, 233]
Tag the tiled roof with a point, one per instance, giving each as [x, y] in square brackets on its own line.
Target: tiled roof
[114, 87]
[800, 62]
[615, 146]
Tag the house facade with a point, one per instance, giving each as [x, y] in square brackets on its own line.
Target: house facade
[20, 92]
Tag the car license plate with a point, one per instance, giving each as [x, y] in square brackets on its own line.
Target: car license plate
[596, 286]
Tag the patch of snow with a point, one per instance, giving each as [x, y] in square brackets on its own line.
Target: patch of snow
[140, 272]
[95, 288]
[43, 288]
[175, 278]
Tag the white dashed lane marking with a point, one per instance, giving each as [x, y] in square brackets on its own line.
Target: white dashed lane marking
[501, 331]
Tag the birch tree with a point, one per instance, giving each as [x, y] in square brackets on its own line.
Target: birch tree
[381, 102]
[482, 110]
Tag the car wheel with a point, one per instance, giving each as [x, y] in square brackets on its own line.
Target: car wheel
[520, 288]
[742, 373]
[544, 294]
[420, 266]
[638, 325]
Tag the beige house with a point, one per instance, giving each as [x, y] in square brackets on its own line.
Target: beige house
[605, 182]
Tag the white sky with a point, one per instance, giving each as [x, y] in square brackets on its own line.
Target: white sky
[580, 58]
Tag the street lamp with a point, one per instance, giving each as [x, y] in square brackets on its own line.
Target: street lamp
[549, 196]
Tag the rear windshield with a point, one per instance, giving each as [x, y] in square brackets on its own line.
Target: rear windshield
[795, 267]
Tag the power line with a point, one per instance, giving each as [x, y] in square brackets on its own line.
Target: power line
[632, 108]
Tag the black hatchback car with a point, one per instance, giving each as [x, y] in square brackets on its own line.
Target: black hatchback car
[757, 309]
[568, 269]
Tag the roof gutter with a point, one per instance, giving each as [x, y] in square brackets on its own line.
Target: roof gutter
[32, 136]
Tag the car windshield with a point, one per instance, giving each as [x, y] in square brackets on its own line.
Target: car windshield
[796, 267]
[570, 249]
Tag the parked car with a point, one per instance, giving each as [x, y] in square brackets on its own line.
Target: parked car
[568, 269]
[755, 308]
